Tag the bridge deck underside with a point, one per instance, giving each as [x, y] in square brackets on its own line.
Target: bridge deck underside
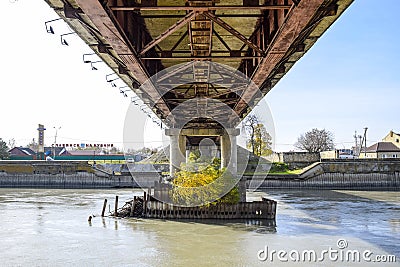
[260, 38]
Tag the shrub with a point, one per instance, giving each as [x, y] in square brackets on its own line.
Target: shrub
[203, 183]
[279, 167]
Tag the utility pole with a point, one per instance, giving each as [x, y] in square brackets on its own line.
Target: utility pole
[55, 141]
[364, 142]
[356, 153]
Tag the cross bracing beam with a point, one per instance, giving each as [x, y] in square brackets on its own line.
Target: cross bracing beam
[198, 8]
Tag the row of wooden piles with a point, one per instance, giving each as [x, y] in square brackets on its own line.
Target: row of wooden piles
[147, 206]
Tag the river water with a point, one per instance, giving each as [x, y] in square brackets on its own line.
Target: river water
[43, 227]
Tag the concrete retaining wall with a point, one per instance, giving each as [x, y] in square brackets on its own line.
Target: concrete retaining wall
[338, 181]
[72, 181]
[343, 174]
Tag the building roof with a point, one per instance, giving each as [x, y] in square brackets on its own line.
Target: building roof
[23, 150]
[58, 150]
[383, 147]
[391, 134]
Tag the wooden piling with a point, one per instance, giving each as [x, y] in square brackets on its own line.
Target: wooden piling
[104, 207]
[133, 206]
[116, 206]
[144, 204]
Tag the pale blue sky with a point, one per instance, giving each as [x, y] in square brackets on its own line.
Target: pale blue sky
[349, 80]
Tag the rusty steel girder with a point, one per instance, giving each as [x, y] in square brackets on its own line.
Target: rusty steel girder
[144, 37]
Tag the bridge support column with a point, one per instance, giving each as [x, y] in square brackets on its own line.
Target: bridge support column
[229, 150]
[177, 150]
[229, 157]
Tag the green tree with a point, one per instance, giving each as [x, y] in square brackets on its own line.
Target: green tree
[4, 150]
[259, 140]
[315, 141]
[262, 141]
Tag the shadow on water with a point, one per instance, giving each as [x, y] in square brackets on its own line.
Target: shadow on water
[258, 226]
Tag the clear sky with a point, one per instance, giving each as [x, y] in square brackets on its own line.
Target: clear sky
[347, 81]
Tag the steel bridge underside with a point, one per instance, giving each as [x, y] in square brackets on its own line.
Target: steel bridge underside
[261, 38]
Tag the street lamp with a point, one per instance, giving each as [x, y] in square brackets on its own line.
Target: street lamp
[63, 41]
[55, 141]
[49, 28]
[94, 62]
[86, 55]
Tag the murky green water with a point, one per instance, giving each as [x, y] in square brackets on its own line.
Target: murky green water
[40, 227]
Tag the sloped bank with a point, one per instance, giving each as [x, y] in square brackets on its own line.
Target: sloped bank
[366, 174]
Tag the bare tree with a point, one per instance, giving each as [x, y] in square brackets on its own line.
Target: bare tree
[33, 145]
[315, 141]
[11, 143]
[249, 126]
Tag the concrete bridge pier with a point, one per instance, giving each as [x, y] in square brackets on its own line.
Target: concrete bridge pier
[229, 150]
[177, 150]
[229, 157]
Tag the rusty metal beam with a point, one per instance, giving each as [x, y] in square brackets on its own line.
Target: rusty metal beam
[296, 2]
[296, 21]
[177, 16]
[120, 44]
[222, 41]
[234, 32]
[199, 8]
[179, 24]
[179, 41]
[108, 30]
[200, 58]
[188, 51]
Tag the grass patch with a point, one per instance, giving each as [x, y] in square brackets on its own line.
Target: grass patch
[287, 172]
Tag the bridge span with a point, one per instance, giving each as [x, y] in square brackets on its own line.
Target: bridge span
[222, 55]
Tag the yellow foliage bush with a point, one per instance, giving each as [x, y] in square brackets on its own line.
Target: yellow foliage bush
[204, 183]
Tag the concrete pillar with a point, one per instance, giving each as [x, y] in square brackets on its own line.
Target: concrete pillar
[187, 154]
[176, 150]
[229, 150]
[225, 150]
[229, 158]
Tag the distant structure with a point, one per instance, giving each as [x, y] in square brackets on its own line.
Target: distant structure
[389, 148]
[40, 151]
[381, 150]
[392, 137]
[343, 153]
[22, 153]
[61, 153]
